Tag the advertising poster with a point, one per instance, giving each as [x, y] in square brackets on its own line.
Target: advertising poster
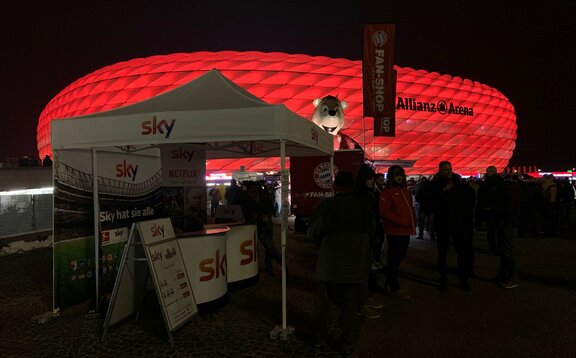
[184, 185]
[241, 253]
[206, 264]
[129, 191]
[169, 272]
[311, 181]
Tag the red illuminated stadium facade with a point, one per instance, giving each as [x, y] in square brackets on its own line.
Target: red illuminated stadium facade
[438, 117]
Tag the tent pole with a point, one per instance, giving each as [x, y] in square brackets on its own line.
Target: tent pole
[332, 169]
[284, 332]
[284, 214]
[96, 226]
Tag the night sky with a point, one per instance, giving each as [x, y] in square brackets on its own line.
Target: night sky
[524, 49]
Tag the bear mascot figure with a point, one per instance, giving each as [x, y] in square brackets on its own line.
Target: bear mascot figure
[329, 115]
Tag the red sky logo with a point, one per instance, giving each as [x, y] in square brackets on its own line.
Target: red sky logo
[213, 267]
[157, 230]
[155, 126]
[183, 154]
[248, 251]
[155, 256]
[125, 170]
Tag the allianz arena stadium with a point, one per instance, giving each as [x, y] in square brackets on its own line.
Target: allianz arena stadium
[438, 117]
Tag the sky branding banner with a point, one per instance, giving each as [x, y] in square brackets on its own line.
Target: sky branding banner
[379, 78]
[183, 164]
[129, 191]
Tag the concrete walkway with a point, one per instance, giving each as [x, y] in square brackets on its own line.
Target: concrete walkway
[537, 319]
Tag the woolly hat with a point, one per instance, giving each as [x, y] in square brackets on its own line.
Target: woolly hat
[344, 181]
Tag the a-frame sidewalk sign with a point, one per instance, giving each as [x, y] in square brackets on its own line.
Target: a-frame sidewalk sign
[152, 251]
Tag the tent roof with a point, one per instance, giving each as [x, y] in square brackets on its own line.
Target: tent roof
[210, 109]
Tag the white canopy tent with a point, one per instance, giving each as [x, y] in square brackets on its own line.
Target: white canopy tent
[210, 109]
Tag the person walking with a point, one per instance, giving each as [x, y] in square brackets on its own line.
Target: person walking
[399, 218]
[365, 188]
[258, 210]
[550, 189]
[215, 197]
[342, 226]
[488, 197]
[507, 212]
[454, 220]
[424, 198]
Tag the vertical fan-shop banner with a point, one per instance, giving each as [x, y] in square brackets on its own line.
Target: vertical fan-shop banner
[379, 78]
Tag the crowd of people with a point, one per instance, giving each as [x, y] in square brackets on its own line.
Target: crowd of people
[352, 227]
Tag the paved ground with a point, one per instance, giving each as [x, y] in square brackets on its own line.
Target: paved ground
[537, 319]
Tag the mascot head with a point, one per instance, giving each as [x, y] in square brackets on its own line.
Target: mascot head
[329, 113]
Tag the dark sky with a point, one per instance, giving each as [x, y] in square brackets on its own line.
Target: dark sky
[525, 49]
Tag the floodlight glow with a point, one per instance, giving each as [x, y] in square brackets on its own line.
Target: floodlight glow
[37, 191]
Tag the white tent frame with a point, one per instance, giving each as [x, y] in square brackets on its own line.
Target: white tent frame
[210, 109]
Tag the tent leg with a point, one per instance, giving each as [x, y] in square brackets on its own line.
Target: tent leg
[283, 332]
[96, 227]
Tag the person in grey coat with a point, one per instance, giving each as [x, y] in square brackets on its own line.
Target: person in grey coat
[342, 226]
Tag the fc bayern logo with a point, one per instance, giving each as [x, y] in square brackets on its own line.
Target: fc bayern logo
[322, 176]
[380, 38]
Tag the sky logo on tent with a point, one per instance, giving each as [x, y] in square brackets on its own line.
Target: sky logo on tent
[154, 126]
[183, 154]
[125, 170]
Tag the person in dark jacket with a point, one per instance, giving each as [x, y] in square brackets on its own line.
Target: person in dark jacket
[507, 213]
[342, 226]
[399, 217]
[365, 188]
[488, 196]
[424, 199]
[258, 209]
[454, 219]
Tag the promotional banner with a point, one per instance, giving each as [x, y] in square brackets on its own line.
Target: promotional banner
[129, 191]
[183, 165]
[175, 294]
[379, 77]
[241, 253]
[152, 241]
[184, 185]
[311, 180]
[205, 261]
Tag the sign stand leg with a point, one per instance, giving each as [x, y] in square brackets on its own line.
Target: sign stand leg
[141, 299]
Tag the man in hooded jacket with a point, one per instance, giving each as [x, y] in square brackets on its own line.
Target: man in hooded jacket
[342, 226]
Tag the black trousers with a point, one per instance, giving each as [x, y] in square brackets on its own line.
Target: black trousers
[265, 236]
[506, 234]
[491, 229]
[550, 219]
[464, 250]
[377, 245]
[347, 297]
[397, 248]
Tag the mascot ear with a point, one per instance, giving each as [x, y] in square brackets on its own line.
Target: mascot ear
[317, 102]
[344, 104]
